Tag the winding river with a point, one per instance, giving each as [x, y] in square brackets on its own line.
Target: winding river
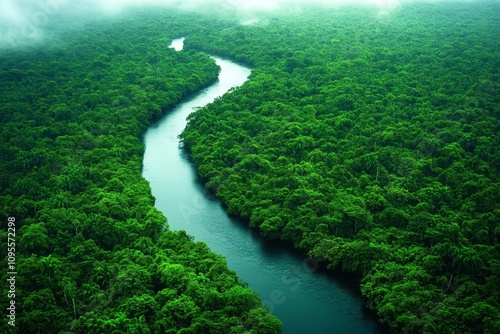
[306, 299]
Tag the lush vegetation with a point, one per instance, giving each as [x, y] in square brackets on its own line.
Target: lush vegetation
[371, 142]
[93, 254]
[368, 141]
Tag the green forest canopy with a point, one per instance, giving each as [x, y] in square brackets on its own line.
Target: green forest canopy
[93, 254]
[370, 143]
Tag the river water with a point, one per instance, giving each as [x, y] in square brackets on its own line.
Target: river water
[306, 299]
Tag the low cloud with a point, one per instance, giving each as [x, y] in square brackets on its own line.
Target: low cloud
[26, 21]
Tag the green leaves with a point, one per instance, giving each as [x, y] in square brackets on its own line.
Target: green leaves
[34, 239]
[372, 150]
[96, 255]
[367, 148]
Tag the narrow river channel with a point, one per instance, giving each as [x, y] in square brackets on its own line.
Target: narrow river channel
[306, 300]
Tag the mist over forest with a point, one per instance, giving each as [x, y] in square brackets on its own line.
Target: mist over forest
[23, 22]
[366, 139]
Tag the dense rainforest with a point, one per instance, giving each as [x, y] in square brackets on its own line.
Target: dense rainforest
[370, 141]
[367, 140]
[92, 254]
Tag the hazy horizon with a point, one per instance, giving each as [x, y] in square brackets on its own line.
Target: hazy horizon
[24, 21]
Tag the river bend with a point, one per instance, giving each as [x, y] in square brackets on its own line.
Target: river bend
[306, 300]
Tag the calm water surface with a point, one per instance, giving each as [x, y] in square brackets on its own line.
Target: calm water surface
[306, 300]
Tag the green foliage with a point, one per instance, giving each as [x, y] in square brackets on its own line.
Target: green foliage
[366, 140]
[93, 254]
[369, 141]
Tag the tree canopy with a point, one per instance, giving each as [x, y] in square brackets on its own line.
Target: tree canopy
[93, 254]
[370, 142]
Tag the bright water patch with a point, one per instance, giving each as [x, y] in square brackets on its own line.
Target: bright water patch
[177, 44]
